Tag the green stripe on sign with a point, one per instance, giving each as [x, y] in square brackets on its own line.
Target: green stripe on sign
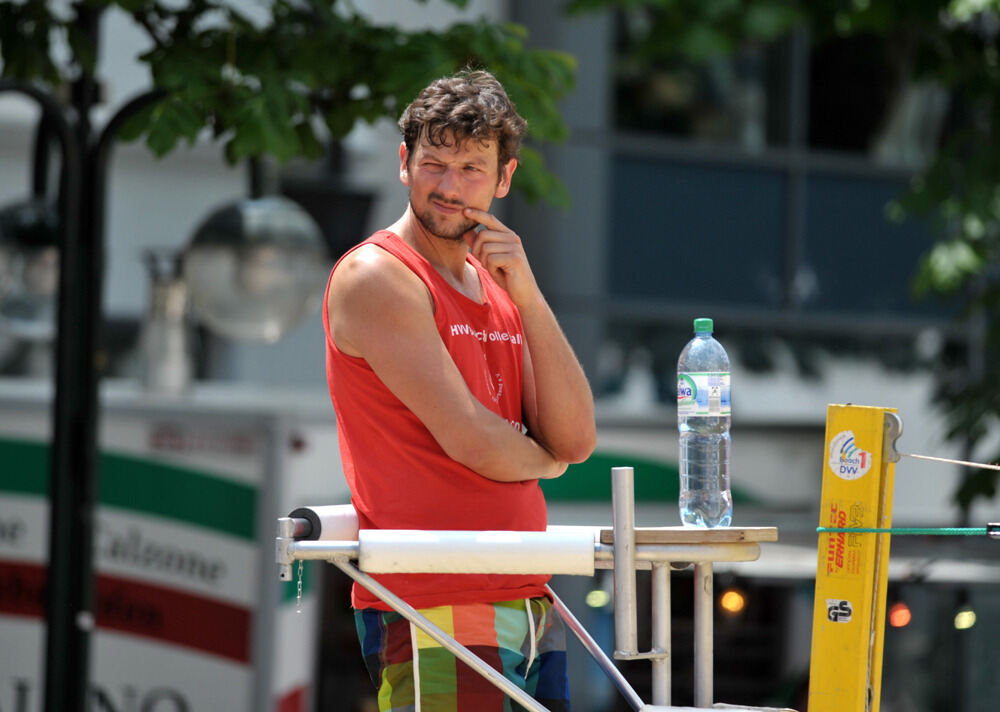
[24, 467]
[178, 493]
[590, 481]
[141, 485]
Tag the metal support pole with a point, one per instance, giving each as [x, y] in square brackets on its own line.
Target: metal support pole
[591, 646]
[623, 507]
[703, 650]
[660, 623]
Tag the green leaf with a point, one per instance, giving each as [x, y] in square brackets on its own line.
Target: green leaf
[704, 42]
[339, 123]
[169, 121]
[279, 134]
[25, 47]
[309, 144]
[136, 125]
[248, 129]
[947, 266]
[767, 21]
[160, 139]
[82, 47]
[181, 117]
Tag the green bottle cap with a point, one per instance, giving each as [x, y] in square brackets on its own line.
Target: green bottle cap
[703, 326]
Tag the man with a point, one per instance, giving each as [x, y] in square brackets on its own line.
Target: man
[455, 392]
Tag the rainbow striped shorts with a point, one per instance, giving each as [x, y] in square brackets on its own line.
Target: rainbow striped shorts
[523, 639]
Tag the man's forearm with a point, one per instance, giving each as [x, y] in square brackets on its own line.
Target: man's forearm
[492, 448]
[564, 420]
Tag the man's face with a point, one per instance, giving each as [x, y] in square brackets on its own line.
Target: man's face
[443, 180]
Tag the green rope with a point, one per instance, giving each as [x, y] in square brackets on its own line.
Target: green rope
[935, 531]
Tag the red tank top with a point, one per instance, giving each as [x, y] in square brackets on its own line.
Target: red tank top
[399, 476]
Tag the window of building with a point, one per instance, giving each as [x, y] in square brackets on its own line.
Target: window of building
[736, 99]
[851, 95]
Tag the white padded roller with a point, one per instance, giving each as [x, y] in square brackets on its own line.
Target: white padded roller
[562, 551]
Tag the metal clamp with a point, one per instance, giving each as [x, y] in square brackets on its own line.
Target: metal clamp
[290, 529]
[891, 430]
[282, 548]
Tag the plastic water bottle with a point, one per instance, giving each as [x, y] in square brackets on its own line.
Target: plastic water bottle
[703, 416]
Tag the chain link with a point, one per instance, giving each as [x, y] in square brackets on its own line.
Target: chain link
[298, 592]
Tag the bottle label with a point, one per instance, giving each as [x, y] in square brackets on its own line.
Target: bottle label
[702, 393]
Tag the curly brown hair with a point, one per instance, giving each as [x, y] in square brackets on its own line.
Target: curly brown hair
[471, 104]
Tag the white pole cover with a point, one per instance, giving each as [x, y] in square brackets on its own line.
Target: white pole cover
[338, 522]
[563, 551]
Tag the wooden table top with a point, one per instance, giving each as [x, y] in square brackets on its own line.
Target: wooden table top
[691, 535]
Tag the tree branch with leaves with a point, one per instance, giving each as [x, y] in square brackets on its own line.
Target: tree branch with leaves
[287, 85]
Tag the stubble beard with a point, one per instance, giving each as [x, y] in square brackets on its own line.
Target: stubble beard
[435, 227]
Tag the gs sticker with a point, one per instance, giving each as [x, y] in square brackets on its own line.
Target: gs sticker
[839, 610]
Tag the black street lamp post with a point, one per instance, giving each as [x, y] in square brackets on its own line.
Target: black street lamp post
[73, 476]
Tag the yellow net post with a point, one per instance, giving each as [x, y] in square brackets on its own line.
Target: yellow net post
[845, 673]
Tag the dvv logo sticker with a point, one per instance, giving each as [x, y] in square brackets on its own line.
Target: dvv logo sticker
[847, 460]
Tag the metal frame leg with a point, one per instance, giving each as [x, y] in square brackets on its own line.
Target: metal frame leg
[602, 660]
[623, 507]
[660, 623]
[703, 635]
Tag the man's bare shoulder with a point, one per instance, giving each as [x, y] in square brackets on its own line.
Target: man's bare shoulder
[370, 270]
[368, 261]
[372, 290]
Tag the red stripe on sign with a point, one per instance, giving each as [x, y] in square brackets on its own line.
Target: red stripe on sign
[153, 612]
[22, 589]
[167, 614]
[294, 701]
